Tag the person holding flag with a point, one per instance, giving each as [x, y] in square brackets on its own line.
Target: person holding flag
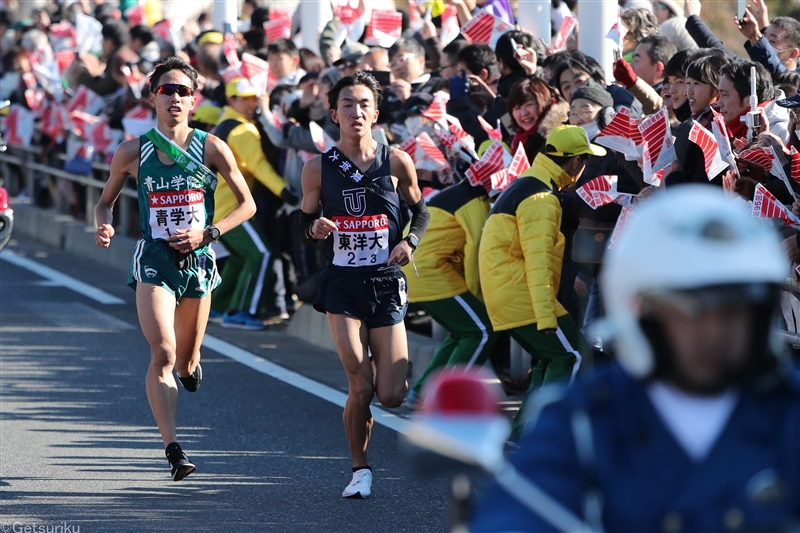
[362, 289]
[173, 263]
[521, 254]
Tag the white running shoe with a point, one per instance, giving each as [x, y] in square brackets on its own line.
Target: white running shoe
[360, 486]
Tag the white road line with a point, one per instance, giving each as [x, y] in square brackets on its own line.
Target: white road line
[62, 280]
[303, 383]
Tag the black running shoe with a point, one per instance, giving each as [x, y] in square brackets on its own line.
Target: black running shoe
[181, 465]
[192, 383]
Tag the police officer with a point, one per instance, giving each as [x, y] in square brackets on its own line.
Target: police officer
[697, 428]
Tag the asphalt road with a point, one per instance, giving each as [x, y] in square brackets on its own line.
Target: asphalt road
[79, 448]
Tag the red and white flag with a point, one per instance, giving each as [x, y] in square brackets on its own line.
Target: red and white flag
[617, 135]
[446, 138]
[720, 131]
[428, 155]
[19, 126]
[519, 163]
[166, 31]
[622, 222]
[385, 27]
[658, 150]
[703, 138]
[322, 140]
[278, 28]
[765, 205]
[767, 159]
[52, 121]
[494, 133]
[231, 73]
[485, 28]
[409, 146]
[450, 27]
[229, 50]
[601, 191]
[276, 13]
[136, 81]
[438, 108]
[352, 23]
[89, 34]
[414, 18]
[85, 100]
[256, 70]
[568, 25]
[82, 123]
[104, 139]
[794, 168]
[135, 15]
[617, 33]
[491, 171]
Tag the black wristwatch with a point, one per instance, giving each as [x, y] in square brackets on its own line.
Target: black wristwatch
[412, 241]
[214, 232]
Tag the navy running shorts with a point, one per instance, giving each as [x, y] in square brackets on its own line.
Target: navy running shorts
[379, 298]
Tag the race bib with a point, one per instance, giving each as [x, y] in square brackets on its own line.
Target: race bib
[361, 241]
[176, 210]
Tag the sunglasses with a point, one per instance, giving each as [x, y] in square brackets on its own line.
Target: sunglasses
[171, 88]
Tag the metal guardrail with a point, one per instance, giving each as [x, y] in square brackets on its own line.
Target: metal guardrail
[22, 157]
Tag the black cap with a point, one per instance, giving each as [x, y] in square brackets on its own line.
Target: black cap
[791, 103]
[417, 103]
[593, 92]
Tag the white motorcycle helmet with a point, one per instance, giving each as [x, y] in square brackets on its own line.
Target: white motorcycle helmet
[686, 238]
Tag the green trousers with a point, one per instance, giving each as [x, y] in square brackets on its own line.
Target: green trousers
[471, 338]
[245, 273]
[556, 357]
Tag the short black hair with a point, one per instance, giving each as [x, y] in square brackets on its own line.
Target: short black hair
[172, 63]
[661, 49]
[707, 69]
[277, 94]
[505, 52]
[409, 44]
[788, 82]
[143, 33]
[677, 65]
[116, 31]
[739, 74]
[792, 29]
[359, 78]
[454, 48]
[283, 46]
[479, 56]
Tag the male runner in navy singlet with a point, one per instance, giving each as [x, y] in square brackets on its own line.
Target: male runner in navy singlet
[362, 289]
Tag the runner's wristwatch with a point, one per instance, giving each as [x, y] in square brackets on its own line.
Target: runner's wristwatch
[412, 240]
[214, 232]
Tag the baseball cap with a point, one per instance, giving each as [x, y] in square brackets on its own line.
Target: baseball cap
[569, 141]
[351, 53]
[791, 103]
[207, 114]
[210, 36]
[239, 87]
[417, 102]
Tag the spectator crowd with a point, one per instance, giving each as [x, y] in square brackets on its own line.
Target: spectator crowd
[477, 101]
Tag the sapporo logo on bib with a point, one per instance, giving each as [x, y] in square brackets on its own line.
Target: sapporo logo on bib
[361, 241]
[176, 210]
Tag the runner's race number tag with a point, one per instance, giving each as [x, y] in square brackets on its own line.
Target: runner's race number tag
[361, 241]
[176, 210]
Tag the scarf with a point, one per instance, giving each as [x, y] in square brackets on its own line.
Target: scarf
[737, 128]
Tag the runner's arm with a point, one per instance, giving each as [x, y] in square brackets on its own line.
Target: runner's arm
[312, 228]
[122, 165]
[406, 174]
[221, 158]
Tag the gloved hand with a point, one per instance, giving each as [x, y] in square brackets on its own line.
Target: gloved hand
[745, 187]
[458, 85]
[623, 73]
[289, 197]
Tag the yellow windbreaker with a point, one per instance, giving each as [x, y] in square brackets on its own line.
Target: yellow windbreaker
[447, 258]
[522, 250]
[245, 143]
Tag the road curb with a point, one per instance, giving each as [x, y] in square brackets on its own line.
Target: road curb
[64, 232]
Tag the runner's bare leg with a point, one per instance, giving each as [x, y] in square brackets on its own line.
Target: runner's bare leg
[350, 336]
[191, 317]
[156, 308]
[389, 347]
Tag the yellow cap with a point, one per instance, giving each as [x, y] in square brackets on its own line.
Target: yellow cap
[240, 87]
[213, 37]
[569, 141]
[207, 114]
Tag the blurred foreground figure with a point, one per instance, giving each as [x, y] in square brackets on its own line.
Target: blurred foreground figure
[698, 426]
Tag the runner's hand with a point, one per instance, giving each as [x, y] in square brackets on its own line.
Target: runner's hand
[187, 240]
[401, 255]
[322, 227]
[103, 235]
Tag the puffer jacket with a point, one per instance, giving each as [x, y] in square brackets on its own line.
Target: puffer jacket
[522, 250]
[778, 117]
[447, 258]
[244, 140]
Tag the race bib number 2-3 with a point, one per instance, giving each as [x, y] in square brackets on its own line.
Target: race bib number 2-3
[176, 210]
[361, 241]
